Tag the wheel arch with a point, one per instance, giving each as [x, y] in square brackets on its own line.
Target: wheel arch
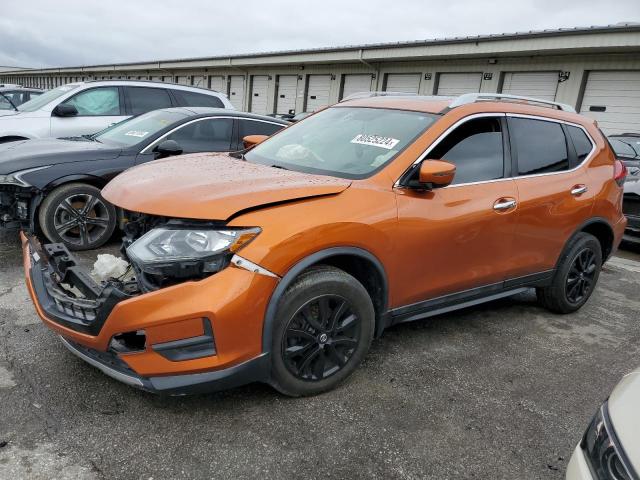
[92, 180]
[360, 263]
[600, 228]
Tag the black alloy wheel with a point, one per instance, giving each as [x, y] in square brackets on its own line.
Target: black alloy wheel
[580, 279]
[576, 275]
[80, 219]
[321, 337]
[77, 215]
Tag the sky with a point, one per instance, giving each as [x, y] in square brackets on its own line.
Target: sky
[46, 33]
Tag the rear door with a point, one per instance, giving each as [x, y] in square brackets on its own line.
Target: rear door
[97, 108]
[556, 194]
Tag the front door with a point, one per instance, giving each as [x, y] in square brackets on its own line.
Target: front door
[97, 109]
[459, 237]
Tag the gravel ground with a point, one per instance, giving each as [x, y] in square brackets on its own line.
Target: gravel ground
[504, 390]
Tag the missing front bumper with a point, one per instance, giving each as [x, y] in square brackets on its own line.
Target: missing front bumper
[65, 291]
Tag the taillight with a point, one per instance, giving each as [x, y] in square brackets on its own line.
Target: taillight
[619, 172]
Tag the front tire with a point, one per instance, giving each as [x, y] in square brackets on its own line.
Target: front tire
[324, 327]
[76, 215]
[576, 275]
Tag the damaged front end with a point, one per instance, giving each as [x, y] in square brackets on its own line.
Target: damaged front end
[67, 294]
[16, 206]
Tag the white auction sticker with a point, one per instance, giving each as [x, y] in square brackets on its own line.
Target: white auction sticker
[136, 133]
[376, 141]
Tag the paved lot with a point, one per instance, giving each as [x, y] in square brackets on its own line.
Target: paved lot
[499, 391]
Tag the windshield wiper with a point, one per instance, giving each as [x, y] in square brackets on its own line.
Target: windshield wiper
[280, 167]
[238, 155]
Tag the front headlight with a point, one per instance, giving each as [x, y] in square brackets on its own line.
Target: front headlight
[602, 450]
[176, 253]
[15, 178]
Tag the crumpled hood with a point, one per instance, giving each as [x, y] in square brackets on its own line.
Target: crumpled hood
[211, 186]
[21, 155]
[624, 402]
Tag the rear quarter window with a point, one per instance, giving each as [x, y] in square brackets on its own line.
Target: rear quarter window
[581, 142]
[193, 99]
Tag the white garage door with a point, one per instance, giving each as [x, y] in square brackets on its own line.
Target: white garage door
[236, 91]
[318, 91]
[217, 83]
[454, 84]
[542, 85]
[286, 97]
[403, 82]
[259, 88]
[613, 99]
[183, 80]
[355, 84]
[200, 81]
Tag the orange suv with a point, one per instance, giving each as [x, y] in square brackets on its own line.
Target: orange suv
[281, 265]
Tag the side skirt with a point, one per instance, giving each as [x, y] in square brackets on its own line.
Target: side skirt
[468, 298]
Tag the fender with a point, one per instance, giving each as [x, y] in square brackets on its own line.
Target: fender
[80, 177]
[292, 274]
[592, 221]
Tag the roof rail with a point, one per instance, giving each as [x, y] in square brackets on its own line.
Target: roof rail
[478, 97]
[356, 95]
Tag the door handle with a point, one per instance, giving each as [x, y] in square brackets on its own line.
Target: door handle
[504, 204]
[578, 190]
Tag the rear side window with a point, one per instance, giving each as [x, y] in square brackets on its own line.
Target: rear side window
[143, 99]
[540, 146]
[192, 99]
[580, 141]
[476, 149]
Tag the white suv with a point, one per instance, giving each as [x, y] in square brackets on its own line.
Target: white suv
[85, 108]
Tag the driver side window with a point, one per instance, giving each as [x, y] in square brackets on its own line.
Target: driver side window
[476, 149]
[104, 101]
[211, 135]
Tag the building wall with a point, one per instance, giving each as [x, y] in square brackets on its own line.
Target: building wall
[568, 90]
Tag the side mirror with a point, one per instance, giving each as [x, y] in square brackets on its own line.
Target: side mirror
[251, 141]
[168, 148]
[436, 173]
[65, 110]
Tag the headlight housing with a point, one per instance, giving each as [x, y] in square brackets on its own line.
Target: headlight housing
[16, 179]
[602, 450]
[174, 253]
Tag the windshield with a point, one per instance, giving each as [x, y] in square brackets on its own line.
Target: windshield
[344, 142]
[5, 104]
[139, 128]
[41, 100]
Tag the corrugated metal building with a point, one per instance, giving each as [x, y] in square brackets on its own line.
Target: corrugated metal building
[596, 69]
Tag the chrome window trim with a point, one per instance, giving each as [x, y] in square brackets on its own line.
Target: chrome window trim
[498, 114]
[158, 140]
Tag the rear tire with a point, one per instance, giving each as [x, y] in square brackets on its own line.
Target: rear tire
[76, 215]
[324, 326]
[576, 275]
